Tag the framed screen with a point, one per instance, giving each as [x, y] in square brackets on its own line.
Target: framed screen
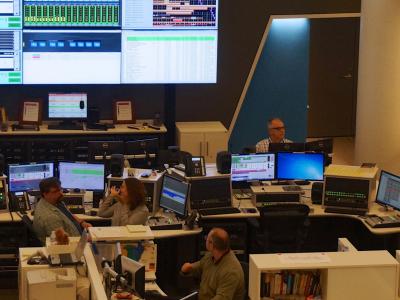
[74, 175]
[108, 42]
[303, 166]
[67, 106]
[389, 190]
[174, 195]
[26, 177]
[253, 167]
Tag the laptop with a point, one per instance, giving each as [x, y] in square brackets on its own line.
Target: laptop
[70, 258]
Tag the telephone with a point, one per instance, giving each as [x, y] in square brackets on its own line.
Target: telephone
[195, 166]
[3, 119]
[3, 194]
[19, 201]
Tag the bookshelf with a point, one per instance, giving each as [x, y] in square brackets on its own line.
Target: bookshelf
[363, 275]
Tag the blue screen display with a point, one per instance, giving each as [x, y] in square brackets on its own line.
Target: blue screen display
[303, 166]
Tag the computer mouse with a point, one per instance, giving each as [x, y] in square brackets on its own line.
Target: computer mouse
[145, 175]
[252, 210]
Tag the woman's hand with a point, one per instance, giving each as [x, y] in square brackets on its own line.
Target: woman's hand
[114, 191]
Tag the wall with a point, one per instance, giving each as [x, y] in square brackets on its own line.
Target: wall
[279, 86]
[241, 24]
[378, 102]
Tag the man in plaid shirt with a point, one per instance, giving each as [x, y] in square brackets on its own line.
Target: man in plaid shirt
[276, 132]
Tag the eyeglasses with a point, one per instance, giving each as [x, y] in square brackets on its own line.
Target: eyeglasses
[55, 190]
[277, 128]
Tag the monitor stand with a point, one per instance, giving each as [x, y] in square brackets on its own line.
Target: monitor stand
[66, 125]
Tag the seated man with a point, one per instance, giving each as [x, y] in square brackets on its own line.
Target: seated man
[51, 212]
[220, 271]
[276, 132]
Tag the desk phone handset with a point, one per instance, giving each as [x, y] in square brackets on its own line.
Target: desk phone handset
[19, 201]
[195, 166]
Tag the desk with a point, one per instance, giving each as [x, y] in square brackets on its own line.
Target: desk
[58, 145]
[97, 290]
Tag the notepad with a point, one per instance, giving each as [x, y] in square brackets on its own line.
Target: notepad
[136, 228]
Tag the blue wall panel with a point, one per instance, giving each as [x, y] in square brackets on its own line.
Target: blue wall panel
[279, 86]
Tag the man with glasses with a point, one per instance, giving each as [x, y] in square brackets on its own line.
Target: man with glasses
[276, 132]
[220, 271]
[51, 212]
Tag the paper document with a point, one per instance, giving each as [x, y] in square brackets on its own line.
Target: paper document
[136, 228]
[303, 258]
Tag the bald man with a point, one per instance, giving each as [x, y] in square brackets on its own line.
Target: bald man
[221, 274]
[276, 132]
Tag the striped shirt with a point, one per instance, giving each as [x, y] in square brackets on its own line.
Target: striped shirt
[263, 145]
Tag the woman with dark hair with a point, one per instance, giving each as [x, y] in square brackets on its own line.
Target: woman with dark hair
[126, 205]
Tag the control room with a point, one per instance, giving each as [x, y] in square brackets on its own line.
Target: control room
[250, 151]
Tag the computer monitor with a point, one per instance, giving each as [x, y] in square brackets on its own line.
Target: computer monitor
[174, 195]
[76, 175]
[104, 148]
[389, 190]
[134, 273]
[143, 146]
[303, 166]
[286, 147]
[26, 177]
[325, 146]
[252, 167]
[71, 106]
[209, 192]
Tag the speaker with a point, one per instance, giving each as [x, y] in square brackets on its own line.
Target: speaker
[117, 165]
[93, 115]
[224, 162]
[316, 192]
[2, 164]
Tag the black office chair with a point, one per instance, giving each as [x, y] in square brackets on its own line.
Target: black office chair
[245, 268]
[282, 228]
[33, 239]
[248, 150]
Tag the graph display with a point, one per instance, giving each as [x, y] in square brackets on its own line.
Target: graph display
[81, 176]
[24, 178]
[67, 105]
[253, 167]
[389, 190]
[174, 194]
[76, 13]
[108, 41]
[184, 13]
[10, 57]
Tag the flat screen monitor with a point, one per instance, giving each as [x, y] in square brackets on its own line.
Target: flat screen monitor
[26, 177]
[253, 167]
[76, 175]
[67, 106]
[389, 190]
[303, 166]
[104, 148]
[174, 195]
[134, 273]
[286, 147]
[209, 192]
[142, 146]
[325, 146]
[108, 42]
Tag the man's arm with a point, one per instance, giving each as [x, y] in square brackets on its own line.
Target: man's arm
[226, 287]
[192, 269]
[81, 222]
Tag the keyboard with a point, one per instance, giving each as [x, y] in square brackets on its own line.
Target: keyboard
[240, 196]
[173, 226]
[383, 222]
[218, 211]
[66, 258]
[291, 188]
[66, 127]
[346, 210]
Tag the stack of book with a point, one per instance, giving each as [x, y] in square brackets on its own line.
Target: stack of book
[291, 285]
